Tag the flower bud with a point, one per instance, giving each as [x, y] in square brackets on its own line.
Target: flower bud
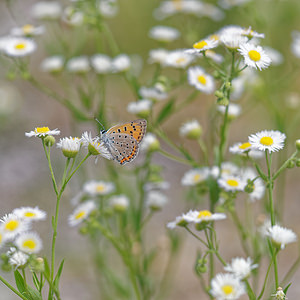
[291, 164]
[223, 101]
[298, 144]
[38, 264]
[219, 94]
[49, 140]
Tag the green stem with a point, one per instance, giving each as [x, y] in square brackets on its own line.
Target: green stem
[265, 281]
[270, 187]
[285, 164]
[250, 291]
[176, 158]
[196, 236]
[12, 288]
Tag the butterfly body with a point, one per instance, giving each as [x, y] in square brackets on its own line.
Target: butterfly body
[122, 141]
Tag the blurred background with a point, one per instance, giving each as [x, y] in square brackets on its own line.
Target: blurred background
[24, 176]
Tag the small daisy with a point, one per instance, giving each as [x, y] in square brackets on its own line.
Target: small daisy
[29, 242]
[98, 188]
[240, 267]
[17, 258]
[72, 17]
[41, 132]
[195, 176]
[232, 183]
[18, 47]
[191, 130]
[254, 56]
[121, 63]
[240, 148]
[281, 236]
[179, 221]
[267, 140]
[178, 59]
[227, 168]
[53, 64]
[78, 65]
[101, 63]
[13, 225]
[164, 33]
[119, 203]
[200, 80]
[232, 40]
[155, 93]
[30, 213]
[156, 200]
[81, 212]
[141, 108]
[234, 110]
[48, 10]
[203, 45]
[250, 33]
[69, 146]
[27, 30]
[150, 143]
[227, 287]
[196, 216]
[158, 56]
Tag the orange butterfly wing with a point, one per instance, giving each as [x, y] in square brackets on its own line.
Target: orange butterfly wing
[136, 129]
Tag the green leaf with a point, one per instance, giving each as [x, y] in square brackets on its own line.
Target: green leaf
[47, 268]
[57, 277]
[33, 294]
[20, 282]
[36, 281]
[166, 111]
[286, 288]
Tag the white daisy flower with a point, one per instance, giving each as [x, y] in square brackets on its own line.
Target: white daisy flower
[267, 140]
[29, 242]
[191, 129]
[150, 143]
[155, 93]
[231, 37]
[196, 216]
[156, 200]
[241, 267]
[200, 80]
[101, 63]
[13, 225]
[250, 33]
[179, 221]
[158, 56]
[232, 183]
[275, 56]
[27, 30]
[140, 108]
[240, 148]
[254, 56]
[98, 188]
[281, 236]
[78, 65]
[18, 47]
[164, 33]
[30, 213]
[234, 110]
[108, 8]
[49, 10]
[69, 146]
[81, 212]
[178, 59]
[227, 168]
[17, 258]
[119, 202]
[42, 132]
[95, 146]
[227, 287]
[160, 185]
[121, 63]
[258, 185]
[295, 47]
[203, 45]
[72, 16]
[195, 176]
[53, 64]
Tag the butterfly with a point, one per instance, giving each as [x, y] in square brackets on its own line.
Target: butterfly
[122, 141]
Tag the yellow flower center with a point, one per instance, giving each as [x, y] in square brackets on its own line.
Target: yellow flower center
[180, 60]
[100, 188]
[202, 79]
[20, 46]
[232, 182]
[12, 225]
[245, 146]
[266, 141]
[200, 45]
[214, 37]
[29, 214]
[80, 215]
[29, 244]
[204, 213]
[42, 129]
[227, 289]
[197, 177]
[254, 55]
[27, 29]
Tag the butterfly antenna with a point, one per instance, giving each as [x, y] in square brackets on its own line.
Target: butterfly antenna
[103, 128]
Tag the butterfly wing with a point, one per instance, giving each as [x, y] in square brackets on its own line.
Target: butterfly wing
[135, 129]
[122, 146]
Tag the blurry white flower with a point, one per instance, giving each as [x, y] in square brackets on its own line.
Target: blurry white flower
[101, 63]
[121, 63]
[281, 236]
[218, 58]
[232, 183]
[141, 108]
[29, 242]
[195, 176]
[234, 110]
[275, 56]
[158, 56]
[108, 8]
[16, 258]
[164, 33]
[179, 221]
[196, 216]
[258, 185]
[69, 146]
[119, 202]
[178, 59]
[72, 16]
[98, 188]
[241, 267]
[267, 140]
[227, 4]
[263, 225]
[160, 185]
[191, 129]
[18, 47]
[295, 46]
[231, 37]
[53, 64]
[156, 200]
[227, 287]
[203, 45]
[240, 148]
[81, 212]
[27, 30]
[237, 87]
[78, 65]
[46, 10]
[201, 80]
[227, 168]
[150, 143]
[42, 132]
[30, 213]
[250, 33]
[155, 93]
